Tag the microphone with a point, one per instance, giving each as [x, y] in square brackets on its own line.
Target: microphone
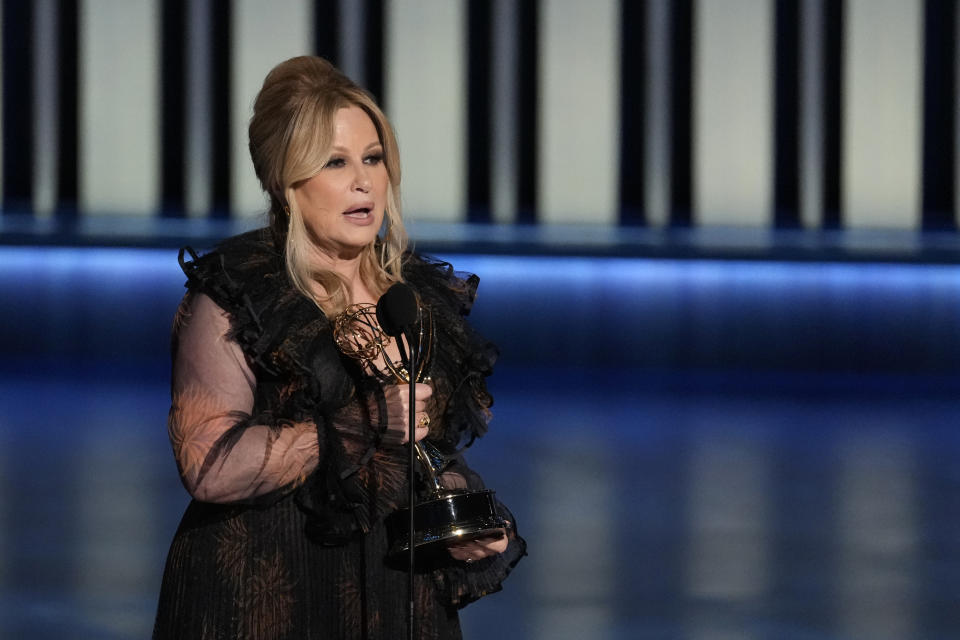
[397, 309]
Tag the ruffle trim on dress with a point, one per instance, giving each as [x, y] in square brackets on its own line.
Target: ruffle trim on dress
[460, 583]
[461, 359]
[281, 331]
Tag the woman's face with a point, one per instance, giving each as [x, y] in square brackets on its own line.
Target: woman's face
[343, 205]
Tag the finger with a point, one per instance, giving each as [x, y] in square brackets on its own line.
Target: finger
[460, 554]
[474, 548]
[465, 552]
[423, 420]
[423, 401]
[401, 394]
[483, 547]
[391, 394]
[419, 433]
[497, 545]
[422, 389]
[469, 556]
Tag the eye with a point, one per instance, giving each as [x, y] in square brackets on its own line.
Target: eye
[374, 158]
[334, 163]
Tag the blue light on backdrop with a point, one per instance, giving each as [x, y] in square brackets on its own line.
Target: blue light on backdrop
[577, 311]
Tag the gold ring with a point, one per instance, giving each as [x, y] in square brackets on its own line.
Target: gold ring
[424, 421]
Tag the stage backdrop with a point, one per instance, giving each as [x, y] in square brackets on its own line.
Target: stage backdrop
[795, 113]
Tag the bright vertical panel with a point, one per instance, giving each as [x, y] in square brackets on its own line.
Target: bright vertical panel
[504, 152]
[811, 113]
[114, 520]
[879, 506]
[658, 122]
[426, 88]
[733, 112]
[45, 105]
[729, 507]
[956, 128]
[264, 34]
[2, 159]
[574, 574]
[352, 18]
[198, 175]
[119, 107]
[882, 113]
[579, 96]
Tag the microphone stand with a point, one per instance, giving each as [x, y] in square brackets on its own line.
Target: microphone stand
[398, 313]
[410, 362]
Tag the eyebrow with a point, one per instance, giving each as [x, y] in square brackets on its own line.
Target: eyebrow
[366, 148]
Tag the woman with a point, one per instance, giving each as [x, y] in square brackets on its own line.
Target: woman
[293, 450]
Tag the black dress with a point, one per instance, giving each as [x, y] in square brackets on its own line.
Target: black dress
[300, 549]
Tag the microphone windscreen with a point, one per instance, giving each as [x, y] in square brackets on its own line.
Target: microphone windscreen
[397, 309]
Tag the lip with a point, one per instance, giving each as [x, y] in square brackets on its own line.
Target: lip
[358, 206]
[361, 213]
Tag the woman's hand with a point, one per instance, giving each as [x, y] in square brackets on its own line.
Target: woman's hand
[479, 548]
[398, 410]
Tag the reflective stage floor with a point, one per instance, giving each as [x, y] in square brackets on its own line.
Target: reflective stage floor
[706, 500]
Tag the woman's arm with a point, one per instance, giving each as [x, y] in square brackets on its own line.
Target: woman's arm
[222, 453]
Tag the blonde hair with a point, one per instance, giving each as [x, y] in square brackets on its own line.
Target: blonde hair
[291, 133]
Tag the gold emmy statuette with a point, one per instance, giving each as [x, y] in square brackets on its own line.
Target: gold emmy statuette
[447, 514]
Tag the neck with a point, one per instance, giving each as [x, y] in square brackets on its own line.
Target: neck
[345, 266]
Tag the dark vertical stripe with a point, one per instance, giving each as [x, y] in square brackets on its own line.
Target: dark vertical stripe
[173, 74]
[939, 114]
[681, 108]
[374, 50]
[832, 113]
[68, 116]
[632, 112]
[479, 45]
[17, 106]
[527, 98]
[326, 29]
[220, 104]
[786, 180]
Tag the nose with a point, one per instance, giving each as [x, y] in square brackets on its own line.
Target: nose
[361, 180]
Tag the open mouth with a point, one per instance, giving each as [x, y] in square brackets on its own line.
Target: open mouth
[359, 212]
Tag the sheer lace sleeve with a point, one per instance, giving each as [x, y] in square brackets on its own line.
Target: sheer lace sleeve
[224, 453]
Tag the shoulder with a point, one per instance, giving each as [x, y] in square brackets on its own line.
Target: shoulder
[238, 268]
[245, 277]
[437, 279]
[254, 251]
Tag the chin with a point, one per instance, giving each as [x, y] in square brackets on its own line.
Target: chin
[358, 244]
